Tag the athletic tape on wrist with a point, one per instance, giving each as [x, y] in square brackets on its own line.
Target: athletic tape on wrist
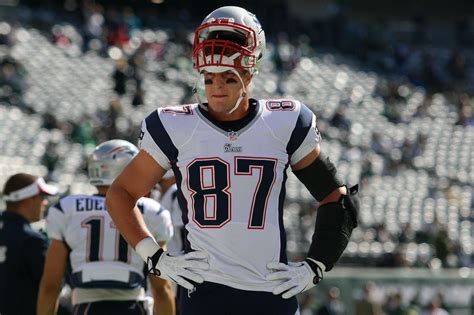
[146, 248]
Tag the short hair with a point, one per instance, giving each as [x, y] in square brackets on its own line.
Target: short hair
[17, 182]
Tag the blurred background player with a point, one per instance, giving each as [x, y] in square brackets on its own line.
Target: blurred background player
[107, 275]
[22, 249]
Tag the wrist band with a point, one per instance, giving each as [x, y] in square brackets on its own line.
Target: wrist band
[316, 267]
[146, 248]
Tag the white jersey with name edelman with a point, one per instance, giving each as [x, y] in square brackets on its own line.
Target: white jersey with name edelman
[100, 257]
[231, 181]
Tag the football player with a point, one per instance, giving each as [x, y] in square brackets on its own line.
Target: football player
[230, 156]
[107, 275]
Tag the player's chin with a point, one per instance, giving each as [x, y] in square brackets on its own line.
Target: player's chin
[219, 100]
[221, 106]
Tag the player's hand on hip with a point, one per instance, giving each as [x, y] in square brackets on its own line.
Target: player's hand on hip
[179, 269]
[292, 278]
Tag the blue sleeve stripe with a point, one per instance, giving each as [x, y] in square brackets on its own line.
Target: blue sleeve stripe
[302, 127]
[141, 207]
[160, 210]
[59, 207]
[160, 136]
[174, 195]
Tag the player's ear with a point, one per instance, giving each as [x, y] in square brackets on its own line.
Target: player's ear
[247, 77]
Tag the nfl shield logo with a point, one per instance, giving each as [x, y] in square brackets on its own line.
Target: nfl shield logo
[232, 135]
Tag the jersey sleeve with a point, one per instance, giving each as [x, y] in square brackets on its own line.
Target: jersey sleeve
[158, 220]
[305, 136]
[56, 222]
[151, 139]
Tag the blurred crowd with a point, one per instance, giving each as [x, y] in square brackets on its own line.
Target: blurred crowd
[429, 247]
[371, 303]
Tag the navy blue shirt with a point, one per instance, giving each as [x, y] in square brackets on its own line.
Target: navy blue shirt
[22, 255]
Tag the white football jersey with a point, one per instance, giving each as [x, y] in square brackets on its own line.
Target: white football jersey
[100, 257]
[231, 181]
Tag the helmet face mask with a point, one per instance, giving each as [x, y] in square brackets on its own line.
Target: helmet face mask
[228, 38]
[108, 160]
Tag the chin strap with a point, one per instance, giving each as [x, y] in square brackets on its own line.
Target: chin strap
[196, 94]
[244, 91]
[241, 97]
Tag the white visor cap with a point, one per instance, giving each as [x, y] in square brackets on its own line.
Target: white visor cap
[35, 188]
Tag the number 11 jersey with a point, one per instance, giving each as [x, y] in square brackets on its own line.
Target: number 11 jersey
[102, 262]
